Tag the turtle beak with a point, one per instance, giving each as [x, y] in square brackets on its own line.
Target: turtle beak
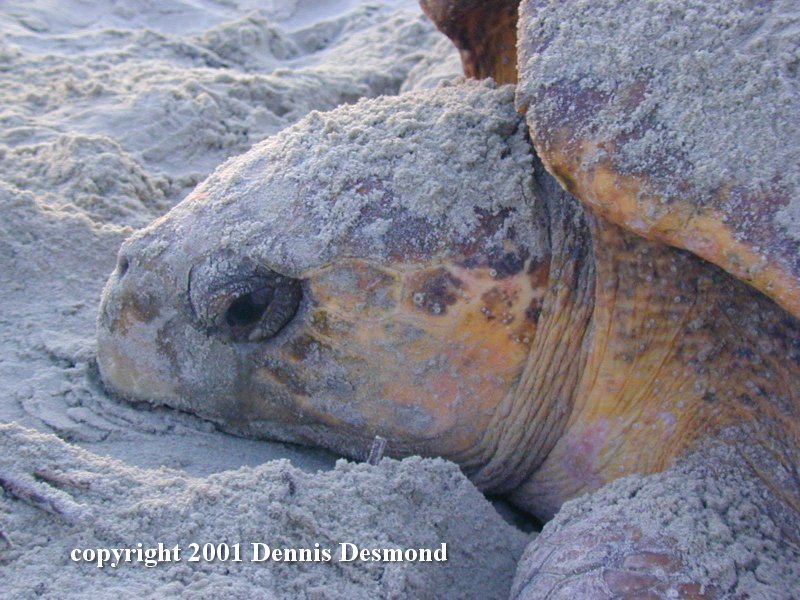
[150, 346]
[184, 326]
[133, 313]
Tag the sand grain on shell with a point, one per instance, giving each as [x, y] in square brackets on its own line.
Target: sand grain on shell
[725, 112]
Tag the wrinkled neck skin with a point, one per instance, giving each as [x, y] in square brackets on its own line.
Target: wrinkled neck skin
[531, 419]
[644, 354]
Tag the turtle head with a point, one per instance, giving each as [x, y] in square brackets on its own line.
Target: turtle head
[376, 270]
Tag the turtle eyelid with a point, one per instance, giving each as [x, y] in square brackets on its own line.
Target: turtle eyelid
[240, 300]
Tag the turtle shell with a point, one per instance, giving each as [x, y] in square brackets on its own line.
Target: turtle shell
[677, 120]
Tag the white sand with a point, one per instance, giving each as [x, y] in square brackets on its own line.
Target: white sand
[403, 505]
[110, 113]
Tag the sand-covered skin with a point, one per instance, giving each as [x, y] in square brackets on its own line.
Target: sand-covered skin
[432, 162]
[106, 503]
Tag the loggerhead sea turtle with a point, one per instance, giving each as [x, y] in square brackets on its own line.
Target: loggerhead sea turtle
[407, 267]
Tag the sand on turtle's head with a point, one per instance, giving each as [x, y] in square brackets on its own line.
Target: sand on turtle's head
[339, 280]
[441, 160]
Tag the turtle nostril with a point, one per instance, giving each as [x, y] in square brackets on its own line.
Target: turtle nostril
[248, 309]
[122, 265]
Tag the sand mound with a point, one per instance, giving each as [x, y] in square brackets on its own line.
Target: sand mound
[106, 503]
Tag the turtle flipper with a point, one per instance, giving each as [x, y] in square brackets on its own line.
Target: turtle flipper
[484, 32]
[604, 559]
[708, 527]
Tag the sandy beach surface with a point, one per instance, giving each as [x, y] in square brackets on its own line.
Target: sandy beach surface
[111, 113]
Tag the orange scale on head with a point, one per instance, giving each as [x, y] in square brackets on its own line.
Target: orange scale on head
[357, 290]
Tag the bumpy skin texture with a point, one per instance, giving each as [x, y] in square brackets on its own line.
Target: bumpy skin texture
[680, 361]
[677, 121]
[681, 357]
[678, 350]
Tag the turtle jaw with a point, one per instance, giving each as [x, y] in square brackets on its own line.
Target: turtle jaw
[420, 352]
[427, 374]
[148, 346]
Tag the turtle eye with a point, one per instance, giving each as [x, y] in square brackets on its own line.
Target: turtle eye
[248, 310]
[263, 312]
[243, 303]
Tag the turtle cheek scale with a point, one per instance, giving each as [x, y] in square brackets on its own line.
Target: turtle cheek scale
[394, 368]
